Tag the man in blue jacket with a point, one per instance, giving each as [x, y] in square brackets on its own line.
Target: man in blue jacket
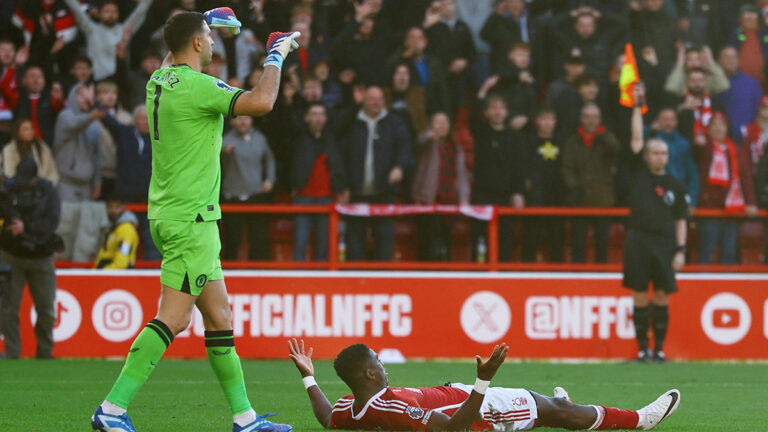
[134, 168]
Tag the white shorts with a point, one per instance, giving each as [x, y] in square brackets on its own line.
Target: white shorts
[507, 409]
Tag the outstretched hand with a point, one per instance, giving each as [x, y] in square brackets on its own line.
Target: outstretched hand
[487, 369]
[302, 360]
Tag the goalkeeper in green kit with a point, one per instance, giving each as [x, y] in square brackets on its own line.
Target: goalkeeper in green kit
[185, 109]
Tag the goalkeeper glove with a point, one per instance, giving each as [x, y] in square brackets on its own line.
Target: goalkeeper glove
[278, 47]
[223, 18]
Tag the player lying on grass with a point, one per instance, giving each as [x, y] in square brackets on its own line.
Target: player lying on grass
[373, 405]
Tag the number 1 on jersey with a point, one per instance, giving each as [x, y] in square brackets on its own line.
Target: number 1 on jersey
[158, 90]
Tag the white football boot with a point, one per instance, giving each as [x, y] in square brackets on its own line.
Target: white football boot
[655, 412]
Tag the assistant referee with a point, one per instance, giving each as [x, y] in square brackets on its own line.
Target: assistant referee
[655, 246]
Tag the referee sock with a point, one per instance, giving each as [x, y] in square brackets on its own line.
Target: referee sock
[640, 317]
[145, 353]
[660, 323]
[220, 346]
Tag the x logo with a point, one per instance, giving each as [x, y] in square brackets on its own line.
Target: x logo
[485, 316]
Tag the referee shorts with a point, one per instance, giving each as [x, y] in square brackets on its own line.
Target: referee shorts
[190, 253]
[648, 258]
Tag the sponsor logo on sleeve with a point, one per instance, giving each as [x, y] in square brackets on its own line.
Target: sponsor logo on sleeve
[425, 420]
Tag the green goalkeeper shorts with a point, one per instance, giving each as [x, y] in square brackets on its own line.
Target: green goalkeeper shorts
[190, 253]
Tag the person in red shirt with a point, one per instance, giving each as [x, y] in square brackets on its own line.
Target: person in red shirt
[374, 405]
[33, 99]
[316, 167]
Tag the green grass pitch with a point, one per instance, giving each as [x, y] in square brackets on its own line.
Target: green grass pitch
[184, 395]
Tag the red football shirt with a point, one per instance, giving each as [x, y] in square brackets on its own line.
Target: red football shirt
[319, 181]
[400, 409]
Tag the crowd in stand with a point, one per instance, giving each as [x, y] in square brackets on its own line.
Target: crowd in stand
[503, 102]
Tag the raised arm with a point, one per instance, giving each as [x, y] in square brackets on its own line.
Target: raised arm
[466, 415]
[636, 142]
[136, 18]
[82, 18]
[261, 99]
[303, 361]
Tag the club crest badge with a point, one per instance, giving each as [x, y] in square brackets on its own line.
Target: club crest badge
[414, 412]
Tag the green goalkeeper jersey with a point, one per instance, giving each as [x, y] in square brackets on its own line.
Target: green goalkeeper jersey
[185, 110]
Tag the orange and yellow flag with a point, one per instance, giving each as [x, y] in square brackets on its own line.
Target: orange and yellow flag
[629, 78]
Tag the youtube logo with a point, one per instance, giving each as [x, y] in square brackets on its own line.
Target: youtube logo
[726, 318]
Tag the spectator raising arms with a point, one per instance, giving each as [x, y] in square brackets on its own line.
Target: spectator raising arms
[33, 100]
[77, 150]
[103, 37]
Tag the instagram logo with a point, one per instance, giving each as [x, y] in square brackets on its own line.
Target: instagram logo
[117, 315]
[542, 317]
[726, 318]
[68, 316]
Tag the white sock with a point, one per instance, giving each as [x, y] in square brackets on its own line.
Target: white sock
[112, 409]
[245, 418]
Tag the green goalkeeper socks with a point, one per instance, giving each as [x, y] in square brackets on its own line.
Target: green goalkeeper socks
[145, 353]
[220, 346]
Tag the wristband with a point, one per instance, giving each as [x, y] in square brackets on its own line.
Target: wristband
[481, 386]
[309, 381]
[681, 249]
[274, 59]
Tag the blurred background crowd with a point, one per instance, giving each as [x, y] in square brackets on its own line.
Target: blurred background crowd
[502, 102]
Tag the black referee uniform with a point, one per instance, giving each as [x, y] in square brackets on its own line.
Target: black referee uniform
[656, 202]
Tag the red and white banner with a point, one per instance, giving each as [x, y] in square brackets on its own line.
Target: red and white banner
[480, 212]
[423, 315]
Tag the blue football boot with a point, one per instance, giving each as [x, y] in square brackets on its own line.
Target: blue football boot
[102, 421]
[262, 425]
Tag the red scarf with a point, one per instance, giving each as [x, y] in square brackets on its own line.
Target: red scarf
[701, 116]
[446, 180]
[755, 139]
[720, 175]
[589, 139]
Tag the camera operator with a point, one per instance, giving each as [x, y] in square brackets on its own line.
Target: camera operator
[28, 240]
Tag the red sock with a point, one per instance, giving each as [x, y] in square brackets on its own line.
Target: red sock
[618, 419]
